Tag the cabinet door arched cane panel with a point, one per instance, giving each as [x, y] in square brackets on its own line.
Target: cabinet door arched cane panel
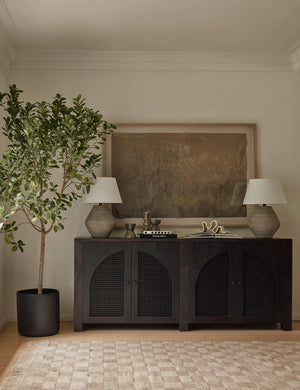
[106, 291]
[259, 287]
[212, 287]
[101, 291]
[154, 287]
[155, 275]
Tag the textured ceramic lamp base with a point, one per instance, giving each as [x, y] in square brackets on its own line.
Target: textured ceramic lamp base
[100, 221]
[264, 222]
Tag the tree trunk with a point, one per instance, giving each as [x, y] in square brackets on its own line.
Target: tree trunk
[42, 257]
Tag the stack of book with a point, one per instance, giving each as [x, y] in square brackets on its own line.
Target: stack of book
[157, 234]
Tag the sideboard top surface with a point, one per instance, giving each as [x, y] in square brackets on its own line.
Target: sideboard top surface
[112, 239]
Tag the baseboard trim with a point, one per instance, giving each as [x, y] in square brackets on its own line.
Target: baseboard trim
[66, 317]
[3, 323]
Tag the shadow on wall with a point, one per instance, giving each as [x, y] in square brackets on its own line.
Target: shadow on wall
[2, 284]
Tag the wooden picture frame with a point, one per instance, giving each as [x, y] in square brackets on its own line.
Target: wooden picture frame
[183, 174]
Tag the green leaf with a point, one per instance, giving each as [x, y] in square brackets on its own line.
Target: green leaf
[51, 155]
[8, 238]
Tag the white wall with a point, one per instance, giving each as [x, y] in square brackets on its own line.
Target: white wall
[268, 99]
[2, 248]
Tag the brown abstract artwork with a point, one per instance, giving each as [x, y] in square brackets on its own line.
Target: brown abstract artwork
[180, 175]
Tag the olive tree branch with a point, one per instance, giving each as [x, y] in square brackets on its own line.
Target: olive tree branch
[37, 228]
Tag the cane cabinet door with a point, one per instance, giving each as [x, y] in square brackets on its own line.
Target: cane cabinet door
[155, 281]
[206, 281]
[264, 280]
[236, 281]
[107, 275]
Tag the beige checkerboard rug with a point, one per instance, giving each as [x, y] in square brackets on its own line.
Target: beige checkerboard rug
[156, 365]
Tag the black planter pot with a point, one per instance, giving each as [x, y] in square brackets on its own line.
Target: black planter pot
[38, 314]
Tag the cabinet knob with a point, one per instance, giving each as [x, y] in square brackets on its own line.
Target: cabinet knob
[232, 282]
[239, 282]
[134, 282]
[128, 282]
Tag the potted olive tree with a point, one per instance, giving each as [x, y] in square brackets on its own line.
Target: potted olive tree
[52, 151]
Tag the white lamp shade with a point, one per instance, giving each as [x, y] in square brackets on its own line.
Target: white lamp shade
[264, 191]
[105, 190]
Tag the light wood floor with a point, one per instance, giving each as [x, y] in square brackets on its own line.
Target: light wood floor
[10, 340]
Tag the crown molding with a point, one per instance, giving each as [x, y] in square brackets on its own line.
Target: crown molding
[150, 61]
[8, 36]
[11, 59]
[294, 56]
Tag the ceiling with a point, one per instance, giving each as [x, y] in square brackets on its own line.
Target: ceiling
[172, 25]
[218, 26]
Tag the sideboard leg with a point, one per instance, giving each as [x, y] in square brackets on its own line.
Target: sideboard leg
[183, 326]
[286, 325]
[78, 326]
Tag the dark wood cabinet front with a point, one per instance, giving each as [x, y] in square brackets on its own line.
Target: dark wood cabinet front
[192, 281]
[266, 281]
[123, 281]
[102, 291]
[155, 274]
[237, 281]
[205, 282]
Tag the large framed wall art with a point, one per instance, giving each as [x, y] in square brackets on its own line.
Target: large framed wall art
[183, 174]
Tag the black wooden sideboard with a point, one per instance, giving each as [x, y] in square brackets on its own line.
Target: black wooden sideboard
[182, 281]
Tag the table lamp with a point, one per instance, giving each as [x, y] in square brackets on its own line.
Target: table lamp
[264, 221]
[100, 222]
